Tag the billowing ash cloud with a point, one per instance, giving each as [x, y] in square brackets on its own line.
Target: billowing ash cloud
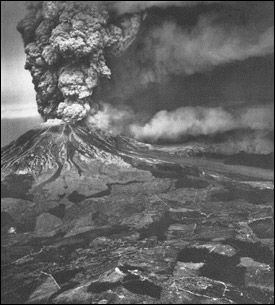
[169, 48]
[65, 44]
[195, 121]
[117, 119]
[114, 119]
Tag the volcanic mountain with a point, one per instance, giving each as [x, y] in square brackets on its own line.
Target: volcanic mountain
[88, 216]
[58, 153]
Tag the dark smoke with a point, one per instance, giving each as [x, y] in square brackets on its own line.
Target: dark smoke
[65, 44]
[166, 47]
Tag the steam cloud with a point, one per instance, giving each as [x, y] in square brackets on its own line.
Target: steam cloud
[191, 121]
[114, 119]
[247, 129]
[65, 44]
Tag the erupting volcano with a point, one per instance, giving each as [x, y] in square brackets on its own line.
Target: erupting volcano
[93, 216]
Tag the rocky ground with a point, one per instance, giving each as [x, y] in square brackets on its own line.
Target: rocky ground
[147, 233]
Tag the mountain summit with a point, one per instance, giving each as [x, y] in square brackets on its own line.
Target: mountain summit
[57, 153]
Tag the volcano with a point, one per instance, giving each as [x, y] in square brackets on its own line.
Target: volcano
[60, 154]
[90, 216]
[56, 144]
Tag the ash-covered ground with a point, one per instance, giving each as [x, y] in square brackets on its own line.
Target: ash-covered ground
[90, 215]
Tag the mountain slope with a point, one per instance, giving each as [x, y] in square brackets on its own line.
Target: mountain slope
[56, 159]
[57, 144]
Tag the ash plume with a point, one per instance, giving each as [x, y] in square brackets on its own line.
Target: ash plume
[65, 44]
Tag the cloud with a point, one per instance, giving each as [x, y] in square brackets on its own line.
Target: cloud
[249, 129]
[177, 50]
[15, 111]
[115, 119]
[195, 121]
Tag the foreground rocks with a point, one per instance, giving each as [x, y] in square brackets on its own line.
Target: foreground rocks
[136, 245]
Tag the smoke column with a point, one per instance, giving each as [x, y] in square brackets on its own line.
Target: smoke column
[65, 44]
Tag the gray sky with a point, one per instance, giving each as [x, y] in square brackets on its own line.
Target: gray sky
[17, 92]
[18, 105]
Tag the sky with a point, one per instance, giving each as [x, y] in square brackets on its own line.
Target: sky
[17, 92]
[237, 71]
[18, 106]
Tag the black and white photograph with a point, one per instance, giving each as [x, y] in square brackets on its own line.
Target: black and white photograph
[137, 152]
